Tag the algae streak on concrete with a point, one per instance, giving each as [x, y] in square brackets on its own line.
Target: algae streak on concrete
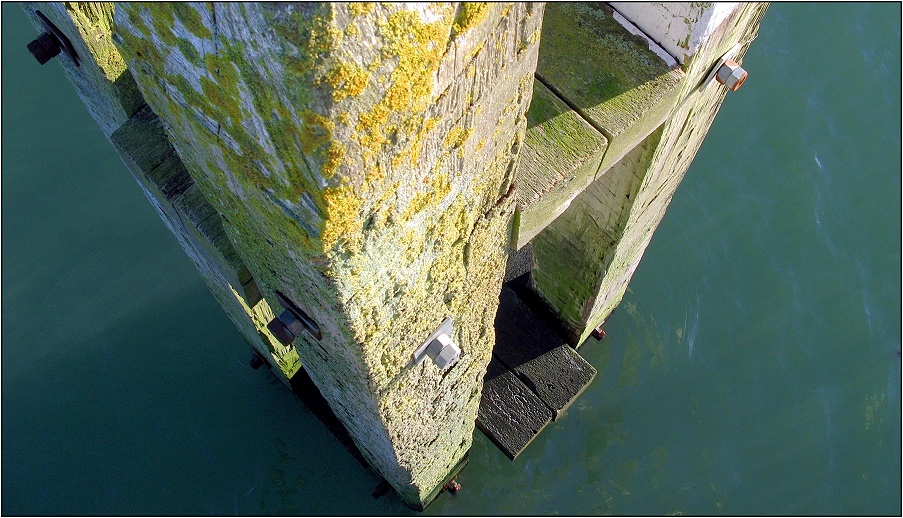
[560, 157]
[361, 157]
[607, 74]
[681, 135]
[574, 253]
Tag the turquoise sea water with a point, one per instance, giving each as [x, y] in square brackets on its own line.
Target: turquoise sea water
[753, 367]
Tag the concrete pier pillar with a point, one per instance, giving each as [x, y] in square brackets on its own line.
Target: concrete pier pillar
[361, 157]
[584, 260]
[106, 87]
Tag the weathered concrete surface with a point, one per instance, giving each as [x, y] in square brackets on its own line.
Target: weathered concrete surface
[573, 254]
[680, 27]
[117, 106]
[609, 76]
[560, 157]
[538, 356]
[361, 157]
[511, 415]
[583, 292]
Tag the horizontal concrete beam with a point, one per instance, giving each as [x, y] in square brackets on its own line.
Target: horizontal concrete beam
[601, 90]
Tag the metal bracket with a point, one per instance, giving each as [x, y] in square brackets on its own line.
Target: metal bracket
[61, 39]
[309, 325]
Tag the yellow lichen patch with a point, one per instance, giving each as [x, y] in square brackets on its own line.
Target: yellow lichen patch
[347, 80]
[470, 14]
[421, 201]
[94, 21]
[343, 207]
[429, 124]
[373, 175]
[473, 53]
[359, 8]
[334, 157]
[440, 186]
[419, 48]
[456, 137]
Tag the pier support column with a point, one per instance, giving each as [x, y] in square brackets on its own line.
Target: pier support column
[361, 157]
[584, 260]
[103, 82]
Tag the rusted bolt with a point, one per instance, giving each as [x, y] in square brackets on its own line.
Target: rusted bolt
[731, 75]
[292, 322]
[453, 486]
[280, 331]
[598, 333]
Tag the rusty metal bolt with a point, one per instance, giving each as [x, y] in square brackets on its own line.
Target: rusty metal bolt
[453, 486]
[280, 331]
[731, 75]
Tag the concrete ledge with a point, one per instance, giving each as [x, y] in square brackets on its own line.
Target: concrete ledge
[532, 379]
[510, 414]
[538, 356]
[606, 74]
[560, 157]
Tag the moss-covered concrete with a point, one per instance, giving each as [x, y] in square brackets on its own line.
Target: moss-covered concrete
[146, 151]
[361, 157]
[605, 73]
[560, 157]
[583, 290]
[601, 91]
[117, 105]
[575, 251]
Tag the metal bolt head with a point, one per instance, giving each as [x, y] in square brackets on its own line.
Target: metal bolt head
[447, 353]
[281, 332]
[256, 361]
[295, 326]
[44, 48]
[731, 75]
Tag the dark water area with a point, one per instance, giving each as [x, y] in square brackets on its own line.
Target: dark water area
[753, 367]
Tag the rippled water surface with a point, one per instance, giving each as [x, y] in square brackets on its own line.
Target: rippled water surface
[753, 367]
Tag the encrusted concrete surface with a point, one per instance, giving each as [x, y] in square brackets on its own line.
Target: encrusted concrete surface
[361, 157]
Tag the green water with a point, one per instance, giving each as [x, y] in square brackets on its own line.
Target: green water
[753, 368]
